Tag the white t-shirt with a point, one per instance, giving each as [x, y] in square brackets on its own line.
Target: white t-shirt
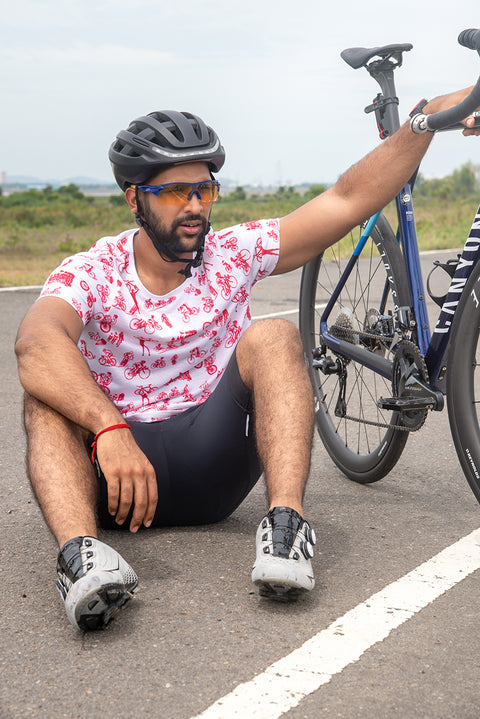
[155, 356]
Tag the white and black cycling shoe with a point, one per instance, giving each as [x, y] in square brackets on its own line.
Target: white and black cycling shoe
[283, 567]
[94, 582]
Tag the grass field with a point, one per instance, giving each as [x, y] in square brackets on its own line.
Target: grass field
[38, 232]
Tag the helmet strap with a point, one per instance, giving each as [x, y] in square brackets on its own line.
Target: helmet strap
[165, 252]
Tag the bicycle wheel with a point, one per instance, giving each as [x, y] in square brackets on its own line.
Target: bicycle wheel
[463, 381]
[366, 442]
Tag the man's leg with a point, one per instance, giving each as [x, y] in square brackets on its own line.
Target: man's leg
[60, 471]
[271, 364]
[94, 581]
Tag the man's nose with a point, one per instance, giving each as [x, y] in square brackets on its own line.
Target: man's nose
[194, 200]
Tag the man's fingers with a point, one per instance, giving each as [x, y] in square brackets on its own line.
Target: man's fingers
[152, 498]
[145, 500]
[469, 123]
[126, 497]
[139, 507]
[113, 487]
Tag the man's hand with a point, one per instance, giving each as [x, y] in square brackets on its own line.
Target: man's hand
[469, 123]
[130, 478]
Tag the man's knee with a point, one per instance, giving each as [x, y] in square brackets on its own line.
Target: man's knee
[272, 332]
[266, 342]
[33, 411]
[40, 418]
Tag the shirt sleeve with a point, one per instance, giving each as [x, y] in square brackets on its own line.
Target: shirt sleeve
[262, 238]
[75, 282]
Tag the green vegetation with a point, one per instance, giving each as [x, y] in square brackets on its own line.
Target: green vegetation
[38, 228]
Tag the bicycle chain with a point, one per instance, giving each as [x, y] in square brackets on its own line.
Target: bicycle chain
[399, 427]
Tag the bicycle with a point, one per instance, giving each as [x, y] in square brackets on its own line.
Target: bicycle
[375, 366]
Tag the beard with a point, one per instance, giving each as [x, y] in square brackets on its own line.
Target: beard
[170, 238]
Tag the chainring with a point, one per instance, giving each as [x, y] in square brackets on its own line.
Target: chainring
[408, 360]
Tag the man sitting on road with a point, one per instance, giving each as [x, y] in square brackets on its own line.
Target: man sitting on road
[150, 398]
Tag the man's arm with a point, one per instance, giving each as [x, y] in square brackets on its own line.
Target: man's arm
[364, 189]
[53, 370]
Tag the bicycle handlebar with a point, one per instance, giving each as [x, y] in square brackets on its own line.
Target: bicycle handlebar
[447, 118]
[470, 38]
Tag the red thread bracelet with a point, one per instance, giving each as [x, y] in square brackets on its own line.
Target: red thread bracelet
[107, 429]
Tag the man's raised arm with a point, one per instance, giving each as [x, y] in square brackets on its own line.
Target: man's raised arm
[364, 189]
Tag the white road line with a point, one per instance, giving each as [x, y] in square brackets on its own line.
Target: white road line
[275, 314]
[19, 289]
[285, 683]
[284, 312]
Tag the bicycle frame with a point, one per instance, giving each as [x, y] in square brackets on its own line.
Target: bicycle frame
[432, 346]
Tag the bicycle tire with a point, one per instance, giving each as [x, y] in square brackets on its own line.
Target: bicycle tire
[463, 381]
[363, 452]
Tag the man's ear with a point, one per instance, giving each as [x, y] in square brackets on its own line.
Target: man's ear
[131, 199]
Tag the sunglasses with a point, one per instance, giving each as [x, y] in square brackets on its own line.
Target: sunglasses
[180, 193]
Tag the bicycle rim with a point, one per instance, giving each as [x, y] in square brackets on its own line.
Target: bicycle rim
[364, 443]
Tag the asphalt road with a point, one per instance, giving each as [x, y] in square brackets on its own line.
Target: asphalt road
[197, 628]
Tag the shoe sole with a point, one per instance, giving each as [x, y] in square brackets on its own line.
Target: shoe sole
[279, 579]
[94, 601]
[98, 609]
[279, 592]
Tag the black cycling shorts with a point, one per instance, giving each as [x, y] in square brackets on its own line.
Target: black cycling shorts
[205, 458]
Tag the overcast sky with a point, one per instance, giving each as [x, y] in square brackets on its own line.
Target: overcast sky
[267, 74]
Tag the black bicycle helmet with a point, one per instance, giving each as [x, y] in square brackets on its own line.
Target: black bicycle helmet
[159, 139]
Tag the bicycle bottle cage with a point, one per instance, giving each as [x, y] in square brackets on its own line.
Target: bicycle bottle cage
[449, 267]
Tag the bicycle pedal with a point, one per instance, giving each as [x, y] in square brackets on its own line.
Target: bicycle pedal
[406, 404]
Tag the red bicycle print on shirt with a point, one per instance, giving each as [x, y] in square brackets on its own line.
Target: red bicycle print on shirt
[260, 251]
[98, 339]
[104, 293]
[144, 391]
[233, 330]
[107, 359]
[148, 326]
[103, 379]
[105, 321]
[85, 351]
[88, 268]
[116, 338]
[241, 297]
[138, 369]
[241, 261]
[188, 312]
[226, 283]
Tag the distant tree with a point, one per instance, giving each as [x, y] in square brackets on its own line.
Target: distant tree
[116, 200]
[464, 181]
[286, 193]
[70, 191]
[461, 183]
[238, 195]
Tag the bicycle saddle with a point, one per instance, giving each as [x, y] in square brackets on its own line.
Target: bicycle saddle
[359, 56]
